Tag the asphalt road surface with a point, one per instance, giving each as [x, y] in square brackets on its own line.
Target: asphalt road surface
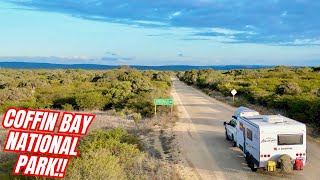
[201, 137]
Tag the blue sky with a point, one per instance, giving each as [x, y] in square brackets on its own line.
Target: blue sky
[163, 32]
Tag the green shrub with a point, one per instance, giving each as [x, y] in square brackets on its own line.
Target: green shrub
[136, 117]
[225, 88]
[67, 107]
[108, 154]
[60, 103]
[90, 101]
[95, 164]
[15, 94]
[190, 77]
[288, 88]
[112, 154]
[239, 102]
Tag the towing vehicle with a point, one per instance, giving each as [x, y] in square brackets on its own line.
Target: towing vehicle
[231, 127]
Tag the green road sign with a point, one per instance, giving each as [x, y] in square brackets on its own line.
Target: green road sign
[163, 102]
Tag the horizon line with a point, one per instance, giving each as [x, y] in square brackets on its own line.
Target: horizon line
[142, 65]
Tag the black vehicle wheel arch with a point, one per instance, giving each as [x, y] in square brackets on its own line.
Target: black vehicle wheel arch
[227, 137]
[234, 143]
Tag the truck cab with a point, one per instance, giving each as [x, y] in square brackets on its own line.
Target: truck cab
[231, 130]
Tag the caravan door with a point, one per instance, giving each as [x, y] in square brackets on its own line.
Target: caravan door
[241, 136]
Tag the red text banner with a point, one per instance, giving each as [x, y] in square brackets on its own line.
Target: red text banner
[44, 139]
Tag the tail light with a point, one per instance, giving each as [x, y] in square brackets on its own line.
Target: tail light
[265, 155]
[300, 154]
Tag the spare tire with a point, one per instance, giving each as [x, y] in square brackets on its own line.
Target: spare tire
[286, 164]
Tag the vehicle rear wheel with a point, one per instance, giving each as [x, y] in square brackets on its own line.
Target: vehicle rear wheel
[234, 144]
[251, 165]
[227, 137]
[247, 157]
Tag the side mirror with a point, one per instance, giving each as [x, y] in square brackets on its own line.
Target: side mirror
[224, 123]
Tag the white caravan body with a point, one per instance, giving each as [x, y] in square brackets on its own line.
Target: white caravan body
[267, 137]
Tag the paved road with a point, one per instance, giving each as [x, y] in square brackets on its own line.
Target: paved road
[200, 134]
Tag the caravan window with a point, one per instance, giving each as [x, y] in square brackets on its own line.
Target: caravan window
[249, 134]
[290, 139]
[241, 126]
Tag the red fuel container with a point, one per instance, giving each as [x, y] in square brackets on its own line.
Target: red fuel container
[298, 164]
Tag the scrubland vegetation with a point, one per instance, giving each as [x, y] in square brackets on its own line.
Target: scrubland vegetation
[125, 90]
[107, 152]
[295, 91]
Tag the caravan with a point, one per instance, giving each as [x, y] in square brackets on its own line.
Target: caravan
[265, 138]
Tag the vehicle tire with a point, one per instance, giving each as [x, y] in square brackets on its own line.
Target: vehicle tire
[251, 165]
[286, 164]
[234, 144]
[247, 157]
[227, 137]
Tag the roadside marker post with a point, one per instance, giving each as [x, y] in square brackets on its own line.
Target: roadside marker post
[233, 92]
[162, 102]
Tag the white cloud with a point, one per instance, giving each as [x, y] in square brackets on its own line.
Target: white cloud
[306, 41]
[248, 26]
[178, 13]
[151, 22]
[73, 57]
[230, 31]
[175, 14]
[284, 13]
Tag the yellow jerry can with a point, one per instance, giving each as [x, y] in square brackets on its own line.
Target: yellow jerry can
[272, 166]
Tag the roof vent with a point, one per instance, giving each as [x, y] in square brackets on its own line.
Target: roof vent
[273, 119]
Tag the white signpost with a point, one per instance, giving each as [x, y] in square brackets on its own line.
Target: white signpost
[233, 92]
